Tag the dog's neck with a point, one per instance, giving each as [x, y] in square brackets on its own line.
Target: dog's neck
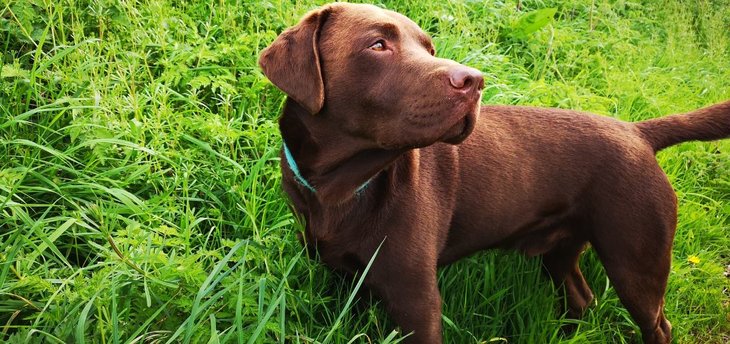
[334, 166]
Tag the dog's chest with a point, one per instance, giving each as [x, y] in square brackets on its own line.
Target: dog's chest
[342, 235]
[409, 205]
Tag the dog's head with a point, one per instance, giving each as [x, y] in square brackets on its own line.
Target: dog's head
[374, 73]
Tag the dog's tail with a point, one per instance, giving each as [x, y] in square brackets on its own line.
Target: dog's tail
[706, 124]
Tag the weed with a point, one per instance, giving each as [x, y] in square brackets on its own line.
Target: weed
[140, 196]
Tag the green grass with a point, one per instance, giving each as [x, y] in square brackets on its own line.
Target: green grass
[140, 196]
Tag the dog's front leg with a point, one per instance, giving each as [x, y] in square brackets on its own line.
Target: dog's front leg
[410, 292]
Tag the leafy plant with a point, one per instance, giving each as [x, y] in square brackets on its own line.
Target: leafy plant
[140, 196]
[530, 22]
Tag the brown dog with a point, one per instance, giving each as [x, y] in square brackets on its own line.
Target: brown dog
[370, 131]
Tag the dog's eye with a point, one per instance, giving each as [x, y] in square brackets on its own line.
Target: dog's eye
[432, 51]
[378, 46]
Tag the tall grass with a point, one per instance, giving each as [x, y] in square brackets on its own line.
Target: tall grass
[140, 195]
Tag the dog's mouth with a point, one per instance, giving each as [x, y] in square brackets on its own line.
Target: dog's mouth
[460, 130]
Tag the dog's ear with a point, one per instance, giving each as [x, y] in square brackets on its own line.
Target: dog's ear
[291, 62]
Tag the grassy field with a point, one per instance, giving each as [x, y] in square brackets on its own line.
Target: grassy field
[140, 197]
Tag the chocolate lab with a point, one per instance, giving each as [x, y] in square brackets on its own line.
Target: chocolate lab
[382, 145]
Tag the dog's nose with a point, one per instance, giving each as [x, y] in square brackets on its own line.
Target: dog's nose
[464, 78]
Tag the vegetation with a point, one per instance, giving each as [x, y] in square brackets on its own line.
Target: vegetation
[140, 196]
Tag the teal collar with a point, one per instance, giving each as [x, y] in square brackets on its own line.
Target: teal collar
[295, 169]
[298, 175]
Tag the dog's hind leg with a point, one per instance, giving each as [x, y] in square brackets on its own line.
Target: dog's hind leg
[561, 264]
[640, 281]
[632, 233]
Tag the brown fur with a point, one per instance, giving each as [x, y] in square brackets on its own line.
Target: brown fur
[442, 185]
